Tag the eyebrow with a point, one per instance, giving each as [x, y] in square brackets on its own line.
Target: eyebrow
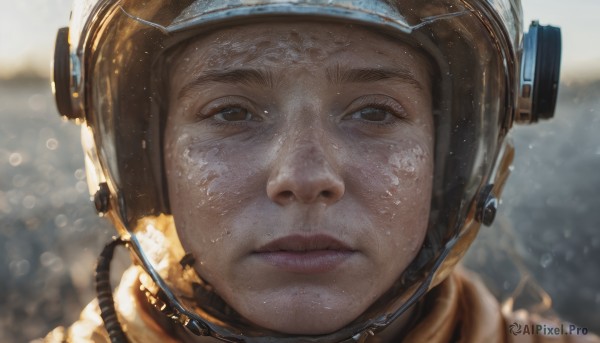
[338, 75]
[236, 76]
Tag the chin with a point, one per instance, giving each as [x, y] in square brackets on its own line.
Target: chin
[308, 315]
[299, 322]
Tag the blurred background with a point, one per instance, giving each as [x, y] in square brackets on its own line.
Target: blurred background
[544, 245]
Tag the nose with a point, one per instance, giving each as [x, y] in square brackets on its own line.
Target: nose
[304, 174]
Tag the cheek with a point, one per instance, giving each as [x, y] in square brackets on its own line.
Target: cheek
[395, 184]
[194, 174]
[207, 184]
[408, 172]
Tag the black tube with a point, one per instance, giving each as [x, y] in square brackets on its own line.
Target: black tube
[105, 295]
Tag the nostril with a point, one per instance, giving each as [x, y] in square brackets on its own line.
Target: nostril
[327, 194]
[287, 195]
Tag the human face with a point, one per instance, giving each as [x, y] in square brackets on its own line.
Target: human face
[299, 163]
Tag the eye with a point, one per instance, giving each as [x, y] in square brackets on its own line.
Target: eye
[376, 109]
[373, 114]
[230, 114]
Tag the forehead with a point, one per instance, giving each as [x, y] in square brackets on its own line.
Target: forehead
[277, 44]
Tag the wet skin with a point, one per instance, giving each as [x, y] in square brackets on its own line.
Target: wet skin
[299, 160]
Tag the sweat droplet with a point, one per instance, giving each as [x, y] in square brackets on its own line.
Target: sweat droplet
[387, 195]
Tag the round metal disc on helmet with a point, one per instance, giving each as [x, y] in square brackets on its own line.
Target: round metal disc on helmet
[62, 74]
[540, 73]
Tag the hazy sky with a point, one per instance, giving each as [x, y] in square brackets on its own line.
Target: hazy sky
[28, 29]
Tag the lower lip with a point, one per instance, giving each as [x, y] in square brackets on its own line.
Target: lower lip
[306, 262]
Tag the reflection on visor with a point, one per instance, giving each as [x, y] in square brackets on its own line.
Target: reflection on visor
[369, 11]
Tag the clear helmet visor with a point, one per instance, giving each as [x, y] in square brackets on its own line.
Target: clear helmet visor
[472, 45]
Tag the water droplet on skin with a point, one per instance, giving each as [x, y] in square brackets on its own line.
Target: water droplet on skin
[387, 195]
[388, 232]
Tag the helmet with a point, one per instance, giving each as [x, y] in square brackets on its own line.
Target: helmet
[488, 74]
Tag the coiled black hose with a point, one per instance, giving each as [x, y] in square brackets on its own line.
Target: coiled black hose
[105, 294]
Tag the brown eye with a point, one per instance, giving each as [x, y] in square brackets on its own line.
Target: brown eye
[233, 114]
[371, 114]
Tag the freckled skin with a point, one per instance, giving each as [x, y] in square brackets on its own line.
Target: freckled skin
[302, 162]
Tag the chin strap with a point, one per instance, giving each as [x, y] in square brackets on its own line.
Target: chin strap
[105, 294]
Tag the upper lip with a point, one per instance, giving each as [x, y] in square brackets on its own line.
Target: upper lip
[301, 243]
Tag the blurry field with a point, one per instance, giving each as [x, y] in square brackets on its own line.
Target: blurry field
[548, 230]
